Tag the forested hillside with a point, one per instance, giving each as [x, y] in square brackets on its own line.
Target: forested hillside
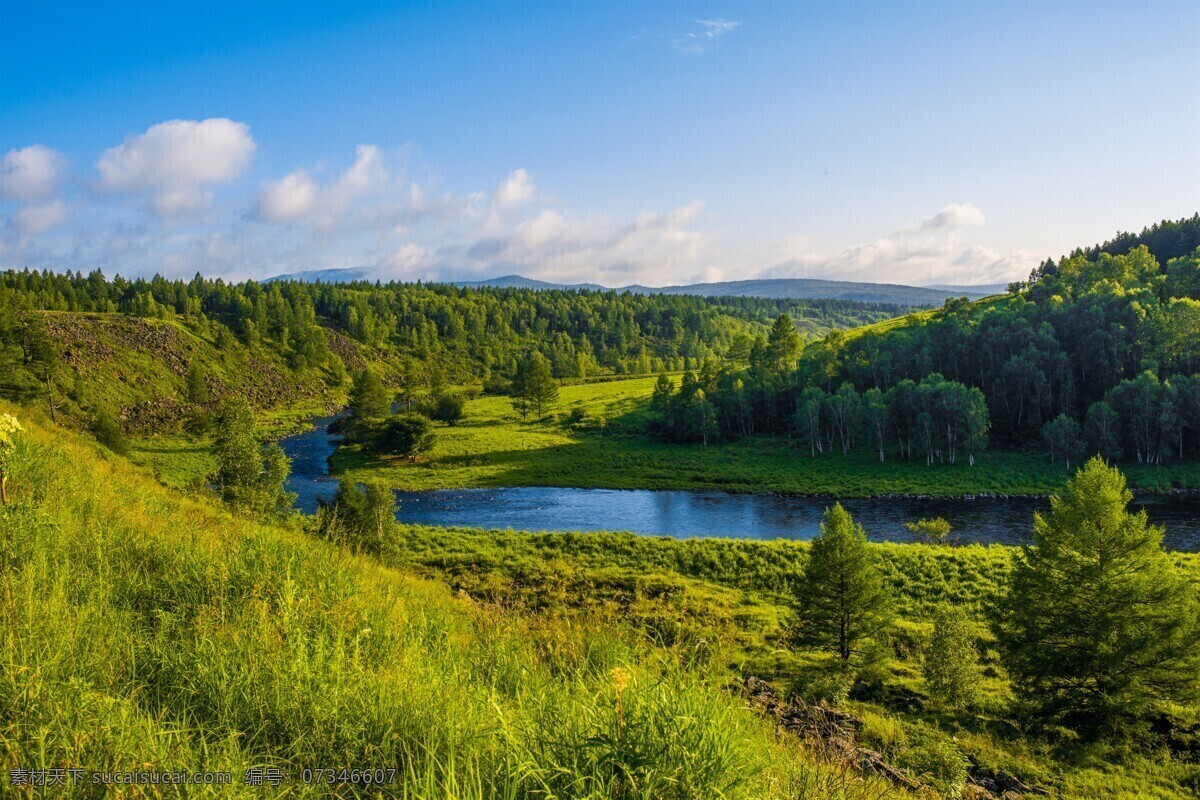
[123, 344]
[1098, 352]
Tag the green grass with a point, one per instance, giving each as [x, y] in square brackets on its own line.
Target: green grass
[146, 629]
[142, 626]
[493, 447]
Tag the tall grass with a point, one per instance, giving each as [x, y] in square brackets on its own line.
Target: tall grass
[144, 629]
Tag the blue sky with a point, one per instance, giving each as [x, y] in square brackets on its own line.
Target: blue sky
[618, 143]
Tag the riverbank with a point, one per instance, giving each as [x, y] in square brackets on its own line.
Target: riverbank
[594, 440]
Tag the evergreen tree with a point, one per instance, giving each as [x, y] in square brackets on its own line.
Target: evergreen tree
[368, 399]
[841, 597]
[783, 345]
[1096, 625]
[197, 384]
[534, 388]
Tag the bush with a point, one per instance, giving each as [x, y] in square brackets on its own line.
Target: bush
[447, 408]
[406, 435]
[108, 432]
[951, 667]
[930, 531]
[362, 519]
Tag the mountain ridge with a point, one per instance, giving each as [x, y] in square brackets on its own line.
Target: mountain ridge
[769, 288]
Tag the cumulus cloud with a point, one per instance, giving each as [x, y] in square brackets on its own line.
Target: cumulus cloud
[654, 246]
[930, 251]
[31, 174]
[516, 190]
[368, 194]
[177, 161]
[949, 218]
[35, 219]
[707, 37]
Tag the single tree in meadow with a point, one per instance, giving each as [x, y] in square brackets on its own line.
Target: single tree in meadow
[250, 474]
[841, 596]
[363, 519]
[534, 388]
[951, 667]
[448, 408]
[368, 399]
[107, 429]
[1096, 625]
[406, 435]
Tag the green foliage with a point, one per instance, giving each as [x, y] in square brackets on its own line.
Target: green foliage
[448, 408]
[406, 435]
[197, 385]
[930, 531]
[1064, 439]
[951, 667]
[10, 429]
[250, 474]
[1097, 626]
[533, 387]
[199, 640]
[368, 399]
[840, 596]
[362, 519]
[107, 429]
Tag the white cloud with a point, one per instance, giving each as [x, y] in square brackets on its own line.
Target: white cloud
[31, 174]
[366, 194]
[707, 37]
[655, 247]
[930, 251]
[176, 162]
[516, 190]
[951, 217]
[292, 198]
[35, 219]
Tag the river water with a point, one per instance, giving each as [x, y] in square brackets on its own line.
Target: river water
[691, 513]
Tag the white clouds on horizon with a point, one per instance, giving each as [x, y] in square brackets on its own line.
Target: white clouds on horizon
[177, 161]
[373, 213]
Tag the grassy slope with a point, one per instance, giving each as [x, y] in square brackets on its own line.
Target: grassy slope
[140, 626]
[492, 447]
[145, 629]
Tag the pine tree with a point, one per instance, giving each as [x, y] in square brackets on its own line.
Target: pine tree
[534, 388]
[1096, 624]
[368, 399]
[841, 597]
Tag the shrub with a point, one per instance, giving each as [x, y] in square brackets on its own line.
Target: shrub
[930, 531]
[951, 667]
[448, 408]
[108, 432]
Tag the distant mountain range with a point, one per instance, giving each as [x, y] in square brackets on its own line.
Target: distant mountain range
[776, 288]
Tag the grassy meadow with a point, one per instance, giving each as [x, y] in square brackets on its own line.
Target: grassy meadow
[144, 628]
[151, 627]
[493, 447]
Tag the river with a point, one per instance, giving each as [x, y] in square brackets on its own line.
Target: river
[696, 513]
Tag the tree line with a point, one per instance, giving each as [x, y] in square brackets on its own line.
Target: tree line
[1096, 353]
[466, 333]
